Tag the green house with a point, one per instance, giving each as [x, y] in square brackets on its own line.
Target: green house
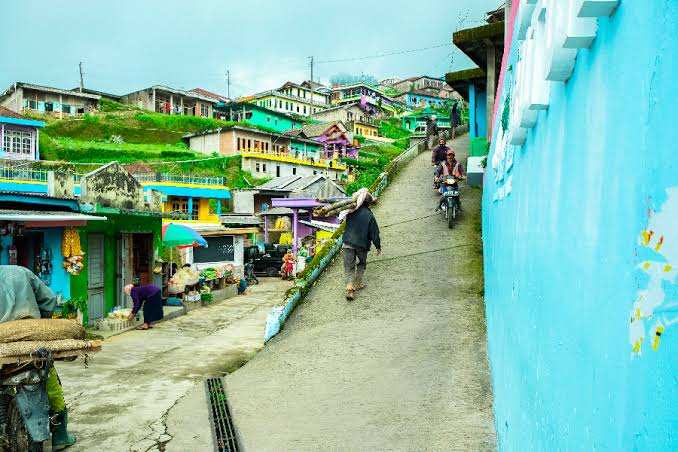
[416, 122]
[257, 116]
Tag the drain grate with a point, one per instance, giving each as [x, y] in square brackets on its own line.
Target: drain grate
[223, 432]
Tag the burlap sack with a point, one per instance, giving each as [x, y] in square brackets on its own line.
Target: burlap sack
[40, 330]
[25, 348]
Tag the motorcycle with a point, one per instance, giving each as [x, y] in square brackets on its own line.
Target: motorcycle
[25, 421]
[450, 201]
[250, 277]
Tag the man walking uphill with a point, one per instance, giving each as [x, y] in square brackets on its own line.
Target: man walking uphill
[360, 233]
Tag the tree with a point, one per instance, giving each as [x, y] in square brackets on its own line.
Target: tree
[344, 78]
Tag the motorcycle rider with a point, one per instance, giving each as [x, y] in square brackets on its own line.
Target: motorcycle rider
[438, 155]
[450, 167]
[24, 296]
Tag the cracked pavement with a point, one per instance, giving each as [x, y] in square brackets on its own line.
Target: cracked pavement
[144, 392]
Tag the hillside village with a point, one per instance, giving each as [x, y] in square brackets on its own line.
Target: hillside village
[199, 159]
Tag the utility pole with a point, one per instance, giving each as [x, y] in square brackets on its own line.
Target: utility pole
[228, 84]
[311, 58]
[82, 83]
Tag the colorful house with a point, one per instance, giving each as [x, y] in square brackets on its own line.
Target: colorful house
[90, 247]
[358, 120]
[416, 122]
[292, 98]
[368, 97]
[257, 116]
[268, 154]
[421, 99]
[337, 141]
[47, 100]
[19, 136]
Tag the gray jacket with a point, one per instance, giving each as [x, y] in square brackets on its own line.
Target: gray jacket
[23, 295]
[361, 229]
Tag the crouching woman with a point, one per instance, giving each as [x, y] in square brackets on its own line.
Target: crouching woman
[149, 297]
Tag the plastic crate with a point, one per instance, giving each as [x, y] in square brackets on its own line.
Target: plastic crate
[115, 324]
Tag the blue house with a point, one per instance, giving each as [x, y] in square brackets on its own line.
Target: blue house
[421, 99]
[19, 136]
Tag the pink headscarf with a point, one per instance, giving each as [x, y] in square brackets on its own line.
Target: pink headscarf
[360, 196]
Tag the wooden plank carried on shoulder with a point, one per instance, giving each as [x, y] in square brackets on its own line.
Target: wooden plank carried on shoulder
[93, 347]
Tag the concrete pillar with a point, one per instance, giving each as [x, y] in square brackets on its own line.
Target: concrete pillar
[153, 108]
[295, 222]
[171, 104]
[219, 207]
[2, 139]
[182, 105]
[473, 127]
[491, 87]
[190, 208]
[37, 144]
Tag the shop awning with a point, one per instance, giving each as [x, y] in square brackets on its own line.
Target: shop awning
[47, 218]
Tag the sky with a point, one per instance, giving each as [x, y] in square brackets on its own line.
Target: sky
[128, 45]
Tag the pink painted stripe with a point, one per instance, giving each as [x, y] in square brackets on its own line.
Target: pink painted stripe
[508, 40]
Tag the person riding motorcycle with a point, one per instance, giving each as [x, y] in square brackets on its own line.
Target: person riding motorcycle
[24, 296]
[450, 167]
[438, 156]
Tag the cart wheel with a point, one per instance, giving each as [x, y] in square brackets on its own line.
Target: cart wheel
[271, 271]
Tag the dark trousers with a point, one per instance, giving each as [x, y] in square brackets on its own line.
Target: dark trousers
[353, 272]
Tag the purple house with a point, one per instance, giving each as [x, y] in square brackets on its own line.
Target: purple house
[19, 136]
[333, 135]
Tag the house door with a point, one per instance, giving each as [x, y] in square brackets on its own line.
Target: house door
[124, 270]
[96, 299]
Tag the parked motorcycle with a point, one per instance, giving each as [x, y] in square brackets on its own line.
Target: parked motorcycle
[450, 201]
[250, 277]
[25, 420]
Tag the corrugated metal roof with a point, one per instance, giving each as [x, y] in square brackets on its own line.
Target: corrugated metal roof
[46, 215]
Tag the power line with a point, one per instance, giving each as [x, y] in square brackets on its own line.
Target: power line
[381, 55]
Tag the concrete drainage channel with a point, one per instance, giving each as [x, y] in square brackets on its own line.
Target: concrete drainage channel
[223, 432]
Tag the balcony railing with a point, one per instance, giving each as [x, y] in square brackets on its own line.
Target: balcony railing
[180, 179]
[300, 158]
[307, 100]
[40, 175]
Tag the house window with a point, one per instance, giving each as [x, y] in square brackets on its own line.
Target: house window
[66, 108]
[6, 146]
[204, 110]
[297, 108]
[257, 166]
[263, 167]
[276, 121]
[294, 171]
[49, 106]
[16, 141]
[304, 109]
[180, 206]
[268, 118]
[26, 143]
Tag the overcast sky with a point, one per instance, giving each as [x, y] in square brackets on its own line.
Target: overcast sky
[126, 45]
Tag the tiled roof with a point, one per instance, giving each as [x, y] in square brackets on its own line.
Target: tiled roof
[312, 130]
[7, 113]
[204, 92]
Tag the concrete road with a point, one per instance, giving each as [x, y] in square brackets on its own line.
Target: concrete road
[145, 392]
[404, 366]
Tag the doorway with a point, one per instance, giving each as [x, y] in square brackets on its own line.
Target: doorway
[96, 293]
[27, 247]
[135, 259]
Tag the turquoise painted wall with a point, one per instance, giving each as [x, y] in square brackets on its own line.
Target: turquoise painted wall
[573, 222]
[277, 122]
